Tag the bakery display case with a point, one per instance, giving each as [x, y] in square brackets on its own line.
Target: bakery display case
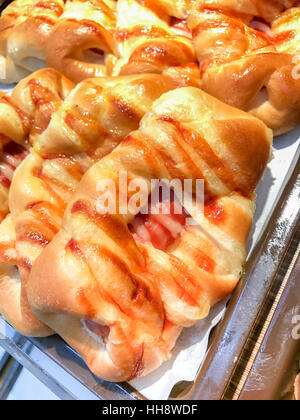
[231, 353]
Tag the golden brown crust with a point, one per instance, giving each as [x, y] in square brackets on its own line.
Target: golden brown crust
[10, 72]
[140, 295]
[262, 84]
[11, 156]
[93, 119]
[258, 72]
[85, 38]
[82, 38]
[151, 40]
[23, 115]
[13, 299]
[39, 95]
[24, 28]
[268, 10]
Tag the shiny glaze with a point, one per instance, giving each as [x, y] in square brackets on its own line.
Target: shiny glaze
[148, 31]
[54, 7]
[11, 156]
[204, 262]
[94, 28]
[139, 366]
[214, 211]
[45, 102]
[203, 149]
[25, 119]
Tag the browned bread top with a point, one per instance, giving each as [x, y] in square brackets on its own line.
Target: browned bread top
[122, 303]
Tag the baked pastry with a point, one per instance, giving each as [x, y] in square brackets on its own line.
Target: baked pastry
[38, 96]
[256, 72]
[99, 38]
[13, 298]
[286, 30]
[83, 38]
[23, 115]
[24, 28]
[93, 119]
[14, 123]
[9, 72]
[11, 156]
[153, 37]
[102, 285]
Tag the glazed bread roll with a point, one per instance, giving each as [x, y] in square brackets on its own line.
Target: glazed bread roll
[24, 28]
[13, 298]
[9, 71]
[83, 38]
[245, 53]
[113, 284]
[153, 37]
[11, 155]
[15, 124]
[93, 119]
[249, 62]
[23, 115]
[267, 10]
[287, 30]
[38, 96]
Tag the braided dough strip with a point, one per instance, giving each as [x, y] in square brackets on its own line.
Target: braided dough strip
[24, 28]
[152, 39]
[267, 10]
[37, 97]
[94, 118]
[23, 115]
[13, 298]
[83, 38]
[15, 125]
[256, 72]
[122, 304]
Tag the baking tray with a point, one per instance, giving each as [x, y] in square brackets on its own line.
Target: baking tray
[270, 279]
[3, 358]
[238, 363]
[274, 358]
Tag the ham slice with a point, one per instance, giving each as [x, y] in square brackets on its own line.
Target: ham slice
[162, 226]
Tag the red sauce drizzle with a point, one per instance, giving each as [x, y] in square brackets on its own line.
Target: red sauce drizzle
[182, 25]
[56, 8]
[214, 211]
[25, 118]
[283, 37]
[150, 32]
[34, 238]
[84, 301]
[5, 181]
[205, 262]
[206, 153]
[17, 153]
[139, 366]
